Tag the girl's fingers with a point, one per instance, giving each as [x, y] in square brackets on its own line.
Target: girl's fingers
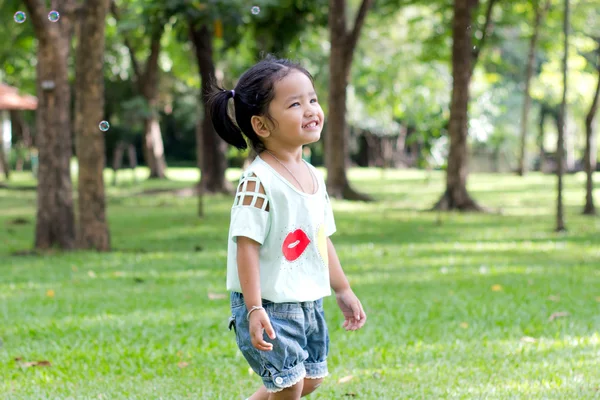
[269, 329]
[258, 341]
[265, 347]
[260, 344]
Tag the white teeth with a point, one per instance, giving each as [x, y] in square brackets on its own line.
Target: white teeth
[311, 125]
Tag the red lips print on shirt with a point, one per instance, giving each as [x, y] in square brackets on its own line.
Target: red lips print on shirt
[294, 244]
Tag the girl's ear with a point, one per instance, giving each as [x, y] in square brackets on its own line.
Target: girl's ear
[259, 124]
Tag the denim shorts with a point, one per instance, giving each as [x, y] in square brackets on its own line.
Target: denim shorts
[300, 347]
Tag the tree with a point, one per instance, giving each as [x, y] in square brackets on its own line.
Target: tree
[540, 10]
[590, 144]
[343, 43]
[55, 222]
[93, 230]
[464, 59]
[210, 148]
[560, 144]
[4, 167]
[147, 85]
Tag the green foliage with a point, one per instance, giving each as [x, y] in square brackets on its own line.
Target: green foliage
[459, 309]
[400, 76]
[18, 49]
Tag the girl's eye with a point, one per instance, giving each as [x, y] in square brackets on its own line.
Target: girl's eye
[311, 100]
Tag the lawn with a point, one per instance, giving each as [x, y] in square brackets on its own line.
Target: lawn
[460, 306]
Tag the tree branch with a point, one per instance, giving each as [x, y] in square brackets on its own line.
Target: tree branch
[337, 19]
[484, 34]
[69, 14]
[591, 114]
[352, 38]
[134, 62]
[36, 11]
[151, 70]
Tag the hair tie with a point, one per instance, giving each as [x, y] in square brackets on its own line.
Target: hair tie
[232, 93]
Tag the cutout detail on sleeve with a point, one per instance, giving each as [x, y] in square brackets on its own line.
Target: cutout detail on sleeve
[251, 192]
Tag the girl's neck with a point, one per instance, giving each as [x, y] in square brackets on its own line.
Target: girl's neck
[286, 156]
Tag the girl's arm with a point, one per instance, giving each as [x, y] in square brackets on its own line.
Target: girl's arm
[249, 271]
[337, 278]
[248, 262]
[249, 274]
[353, 311]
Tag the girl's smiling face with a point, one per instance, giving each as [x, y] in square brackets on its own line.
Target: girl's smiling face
[296, 112]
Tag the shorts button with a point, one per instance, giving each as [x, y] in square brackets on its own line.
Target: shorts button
[279, 380]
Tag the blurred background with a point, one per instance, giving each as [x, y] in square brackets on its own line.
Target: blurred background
[460, 153]
[402, 73]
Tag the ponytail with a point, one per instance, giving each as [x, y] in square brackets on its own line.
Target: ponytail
[218, 109]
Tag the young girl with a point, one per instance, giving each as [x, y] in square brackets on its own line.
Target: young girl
[281, 262]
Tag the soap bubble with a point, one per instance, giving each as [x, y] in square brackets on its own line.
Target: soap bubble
[104, 125]
[53, 16]
[255, 10]
[20, 17]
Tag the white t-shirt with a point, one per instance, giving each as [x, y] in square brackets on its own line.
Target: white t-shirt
[292, 228]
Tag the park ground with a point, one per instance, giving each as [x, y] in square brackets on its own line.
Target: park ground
[460, 306]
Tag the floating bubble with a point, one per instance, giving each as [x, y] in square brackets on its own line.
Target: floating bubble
[53, 16]
[255, 10]
[104, 125]
[20, 17]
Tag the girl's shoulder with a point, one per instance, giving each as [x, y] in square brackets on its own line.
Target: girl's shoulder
[258, 171]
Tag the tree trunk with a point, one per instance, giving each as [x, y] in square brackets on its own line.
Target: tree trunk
[55, 221]
[343, 44]
[456, 196]
[19, 128]
[93, 230]
[4, 167]
[22, 135]
[542, 138]
[118, 160]
[210, 148]
[590, 147]
[147, 85]
[539, 11]
[569, 143]
[154, 152]
[560, 145]
[132, 156]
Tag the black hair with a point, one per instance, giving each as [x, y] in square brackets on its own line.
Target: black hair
[251, 96]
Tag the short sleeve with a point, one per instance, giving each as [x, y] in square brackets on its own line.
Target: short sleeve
[330, 227]
[250, 215]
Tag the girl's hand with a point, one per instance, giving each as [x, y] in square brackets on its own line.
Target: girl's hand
[352, 310]
[259, 323]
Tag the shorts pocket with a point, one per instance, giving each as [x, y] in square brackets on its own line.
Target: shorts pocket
[236, 299]
[288, 346]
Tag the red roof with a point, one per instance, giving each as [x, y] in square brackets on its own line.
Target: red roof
[10, 99]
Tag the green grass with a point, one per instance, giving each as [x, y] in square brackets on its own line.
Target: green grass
[120, 324]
